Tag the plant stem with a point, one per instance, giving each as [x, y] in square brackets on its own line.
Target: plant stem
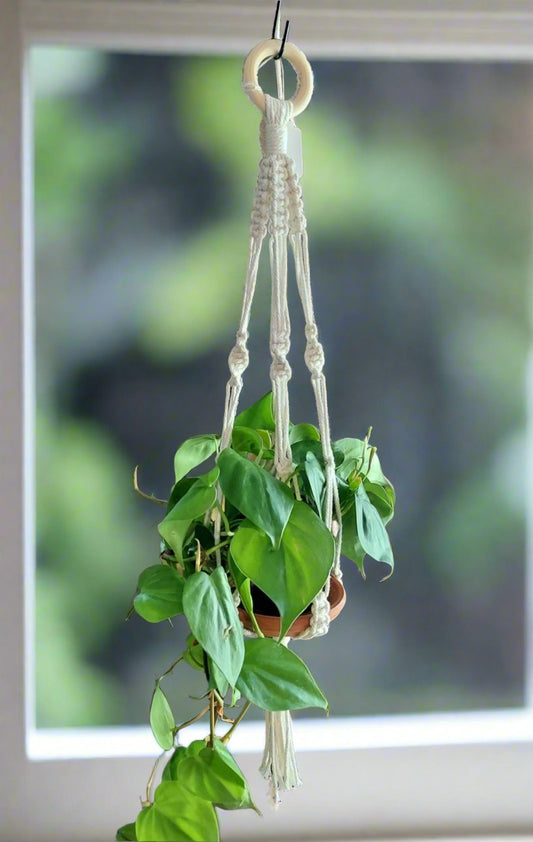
[370, 458]
[169, 670]
[198, 562]
[296, 487]
[212, 718]
[255, 624]
[224, 517]
[193, 719]
[150, 497]
[244, 711]
[150, 782]
[217, 547]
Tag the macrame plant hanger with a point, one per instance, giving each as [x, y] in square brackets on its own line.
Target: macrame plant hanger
[278, 211]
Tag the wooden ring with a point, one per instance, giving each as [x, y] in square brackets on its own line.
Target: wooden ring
[268, 49]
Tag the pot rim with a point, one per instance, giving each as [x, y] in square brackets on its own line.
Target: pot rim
[336, 599]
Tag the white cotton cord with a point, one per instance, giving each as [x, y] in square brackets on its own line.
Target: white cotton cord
[270, 213]
[278, 64]
[314, 359]
[278, 210]
[271, 143]
[280, 370]
[238, 358]
[279, 758]
[273, 136]
[278, 765]
[319, 622]
[314, 353]
[273, 133]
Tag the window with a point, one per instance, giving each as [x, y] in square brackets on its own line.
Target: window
[401, 759]
[418, 195]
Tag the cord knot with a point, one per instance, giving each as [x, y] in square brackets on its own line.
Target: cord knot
[238, 359]
[280, 370]
[314, 357]
[273, 129]
[273, 139]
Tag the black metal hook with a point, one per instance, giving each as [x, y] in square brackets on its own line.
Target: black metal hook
[279, 54]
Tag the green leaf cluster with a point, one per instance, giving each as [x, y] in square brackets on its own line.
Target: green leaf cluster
[233, 528]
[367, 501]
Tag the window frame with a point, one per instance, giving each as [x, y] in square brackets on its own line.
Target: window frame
[392, 775]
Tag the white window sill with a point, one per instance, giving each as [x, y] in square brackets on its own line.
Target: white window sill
[433, 729]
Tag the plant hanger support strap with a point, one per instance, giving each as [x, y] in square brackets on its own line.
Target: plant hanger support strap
[278, 211]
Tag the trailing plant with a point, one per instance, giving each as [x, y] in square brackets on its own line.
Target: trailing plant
[271, 542]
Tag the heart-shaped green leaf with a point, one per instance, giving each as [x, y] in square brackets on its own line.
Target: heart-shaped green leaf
[192, 453]
[371, 531]
[303, 432]
[126, 833]
[293, 574]
[199, 498]
[174, 533]
[246, 440]
[160, 593]
[178, 491]
[177, 814]
[213, 775]
[259, 415]
[315, 477]
[170, 772]
[301, 448]
[264, 500]
[211, 614]
[382, 498]
[357, 454]
[195, 502]
[162, 719]
[274, 678]
[351, 545]
[217, 679]
[194, 654]
[244, 586]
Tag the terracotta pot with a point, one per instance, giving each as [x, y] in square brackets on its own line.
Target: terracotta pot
[270, 624]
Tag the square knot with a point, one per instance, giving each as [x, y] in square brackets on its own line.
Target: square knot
[280, 370]
[314, 357]
[238, 359]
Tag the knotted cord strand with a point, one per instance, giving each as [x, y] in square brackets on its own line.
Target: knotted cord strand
[278, 210]
[274, 144]
[314, 358]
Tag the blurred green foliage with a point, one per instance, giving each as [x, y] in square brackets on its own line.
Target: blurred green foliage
[177, 323]
[417, 192]
[87, 556]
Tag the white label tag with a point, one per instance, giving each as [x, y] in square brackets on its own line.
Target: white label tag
[294, 147]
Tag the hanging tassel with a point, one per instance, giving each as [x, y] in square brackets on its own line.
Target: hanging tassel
[279, 760]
